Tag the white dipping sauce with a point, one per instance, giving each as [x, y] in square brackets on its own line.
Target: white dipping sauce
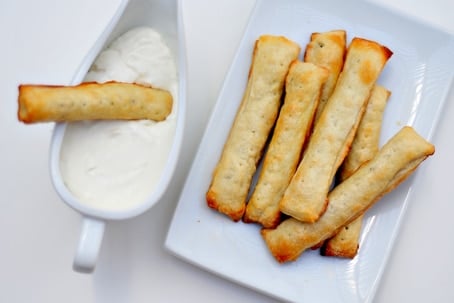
[117, 164]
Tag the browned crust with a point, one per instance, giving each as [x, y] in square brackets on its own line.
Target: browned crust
[329, 251]
[234, 213]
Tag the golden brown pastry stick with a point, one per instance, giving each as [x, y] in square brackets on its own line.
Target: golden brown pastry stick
[254, 120]
[306, 196]
[302, 92]
[398, 158]
[90, 101]
[327, 49]
[364, 147]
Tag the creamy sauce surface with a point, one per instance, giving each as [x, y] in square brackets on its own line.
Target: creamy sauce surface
[117, 164]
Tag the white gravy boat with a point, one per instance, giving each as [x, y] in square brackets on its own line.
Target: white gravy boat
[165, 17]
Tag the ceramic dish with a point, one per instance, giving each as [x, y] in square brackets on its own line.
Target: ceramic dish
[162, 16]
[419, 75]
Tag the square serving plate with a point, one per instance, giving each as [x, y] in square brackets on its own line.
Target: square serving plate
[419, 74]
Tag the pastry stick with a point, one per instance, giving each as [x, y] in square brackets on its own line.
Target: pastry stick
[364, 147]
[90, 101]
[305, 198]
[327, 49]
[302, 92]
[254, 120]
[398, 158]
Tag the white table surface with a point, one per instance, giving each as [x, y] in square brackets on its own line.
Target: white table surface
[38, 233]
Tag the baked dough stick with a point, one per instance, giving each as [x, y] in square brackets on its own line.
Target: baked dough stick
[327, 49]
[305, 197]
[398, 158]
[253, 122]
[364, 147]
[90, 101]
[302, 92]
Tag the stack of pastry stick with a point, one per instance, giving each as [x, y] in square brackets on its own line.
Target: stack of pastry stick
[364, 147]
[254, 120]
[303, 85]
[329, 124]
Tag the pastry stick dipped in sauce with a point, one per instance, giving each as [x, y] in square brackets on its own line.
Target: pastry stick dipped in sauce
[92, 101]
[117, 164]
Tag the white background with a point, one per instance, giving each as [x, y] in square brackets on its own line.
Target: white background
[43, 42]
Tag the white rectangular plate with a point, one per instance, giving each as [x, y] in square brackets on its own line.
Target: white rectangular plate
[419, 75]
